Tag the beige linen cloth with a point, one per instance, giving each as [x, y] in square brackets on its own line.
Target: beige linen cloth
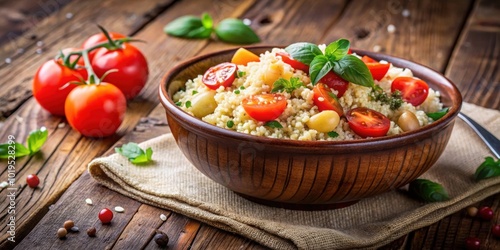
[173, 183]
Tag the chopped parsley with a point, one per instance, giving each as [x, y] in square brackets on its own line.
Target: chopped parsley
[241, 73]
[333, 134]
[273, 124]
[178, 103]
[188, 104]
[237, 91]
[194, 92]
[394, 100]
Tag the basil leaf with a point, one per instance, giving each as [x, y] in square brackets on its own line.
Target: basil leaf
[36, 139]
[489, 168]
[303, 52]
[354, 70]
[144, 158]
[233, 30]
[187, 27]
[338, 49]
[273, 124]
[207, 21]
[437, 115]
[20, 150]
[320, 66]
[428, 190]
[134, 153]
[284, 85]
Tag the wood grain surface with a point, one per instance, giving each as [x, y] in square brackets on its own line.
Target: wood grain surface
[459, 38]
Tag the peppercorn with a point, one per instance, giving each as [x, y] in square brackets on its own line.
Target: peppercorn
[161, 239]
[68, 224]
[91, 232]
[61, 233]
[472, 211]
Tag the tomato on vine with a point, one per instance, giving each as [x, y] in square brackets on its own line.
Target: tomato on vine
[97, 39]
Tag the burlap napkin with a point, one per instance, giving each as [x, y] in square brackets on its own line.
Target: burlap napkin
[173, 183]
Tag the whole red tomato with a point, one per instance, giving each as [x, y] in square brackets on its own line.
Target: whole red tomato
[50, 85]
[95, 110]
[131, 65]
[99, 38]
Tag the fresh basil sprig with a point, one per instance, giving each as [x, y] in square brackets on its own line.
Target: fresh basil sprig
[283, 84]
[437, 115]
[489, 168]
[229, 30]
[134, 153]
[335, 58]
[35, 141]
[428, 190]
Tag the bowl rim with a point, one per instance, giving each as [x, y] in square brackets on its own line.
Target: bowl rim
[394, 140]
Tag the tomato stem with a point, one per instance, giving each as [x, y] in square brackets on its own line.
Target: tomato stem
[112, 43]
[88, 66]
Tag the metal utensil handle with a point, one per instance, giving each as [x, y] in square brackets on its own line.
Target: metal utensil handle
[489, 139]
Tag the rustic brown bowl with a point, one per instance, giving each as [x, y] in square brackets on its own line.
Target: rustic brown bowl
[307, 175]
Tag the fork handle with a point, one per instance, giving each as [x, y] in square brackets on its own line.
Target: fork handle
[489, 139]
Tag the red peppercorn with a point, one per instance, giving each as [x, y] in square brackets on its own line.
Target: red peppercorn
[495, 230]
[105, 216]
[472, 243]
[32, 180]
[485, 213]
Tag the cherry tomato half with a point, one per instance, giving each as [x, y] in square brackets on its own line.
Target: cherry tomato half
[292, 62]
[325, 99]
[378, 70]
[95, 110]
[264, 107]
[222, 74]
[334, 81]
[50, 85]
[412, 90]
[97, 39]
[131, 65]
[367, 122]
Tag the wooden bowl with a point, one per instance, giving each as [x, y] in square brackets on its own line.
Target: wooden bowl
[307, 175]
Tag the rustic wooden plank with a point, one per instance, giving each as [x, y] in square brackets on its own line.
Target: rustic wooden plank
[475, 64]
[180, 230]
[85, 216]
[57, 32]
[212, 238]
[426, 36]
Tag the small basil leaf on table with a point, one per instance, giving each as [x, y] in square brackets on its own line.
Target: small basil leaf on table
[188, 27]
[20, 150]
[319, 67]
[489, 168]
[36, 139]
[354, 70]
[233, 30]
[303, 52]
[428, 190]
[437, 115]
[134, 153]
[338, 49]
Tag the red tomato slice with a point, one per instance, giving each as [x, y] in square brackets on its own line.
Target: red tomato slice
[334, 81]
[413, 90]
[378, 70]
[264, 107]
[220, 75]
[292, 62]
[325, 99]
[368, 123]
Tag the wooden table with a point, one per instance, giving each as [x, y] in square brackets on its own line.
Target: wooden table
[460, 38]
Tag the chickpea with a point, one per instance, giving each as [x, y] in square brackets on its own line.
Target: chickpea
[408, 121]
[203, 104]
[324, 122]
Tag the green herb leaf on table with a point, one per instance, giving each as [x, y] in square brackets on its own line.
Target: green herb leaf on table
[207, 21]
[320, 66]
[303, 52]
[437, 115]
[489, 168]
[354, 70]
[283, 84]
[428, 190]
[134, 153]
[338, 49]
[20, 150]
[36, 139]
[189, 27]
[233, 30]
[273, 124]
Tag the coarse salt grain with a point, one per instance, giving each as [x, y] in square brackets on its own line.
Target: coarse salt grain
[391, 28]
[377, 48]
[88, 201]
[119, 209]
[4, 184]
[61, 125]
[163, 217]
[405, 13]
